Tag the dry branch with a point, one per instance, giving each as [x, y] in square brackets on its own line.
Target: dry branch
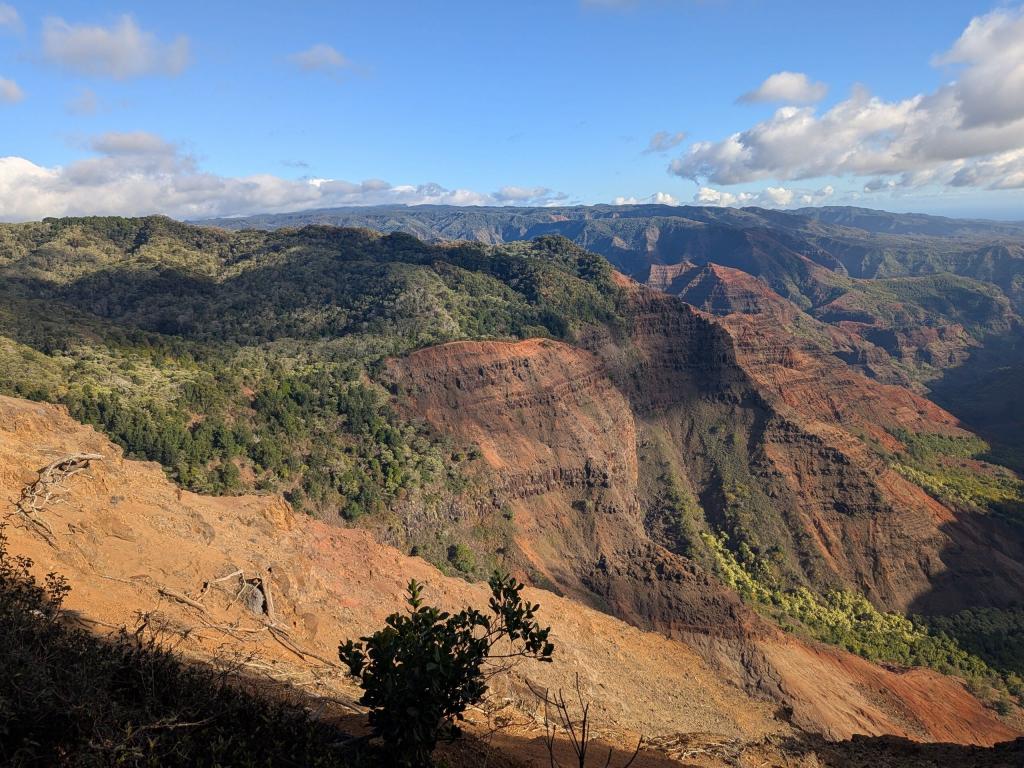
[181, 598]
[48, 489]
[578, 729]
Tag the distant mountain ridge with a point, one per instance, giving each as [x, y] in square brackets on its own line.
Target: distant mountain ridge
[883, 222]
[872, 220]
[857, 242]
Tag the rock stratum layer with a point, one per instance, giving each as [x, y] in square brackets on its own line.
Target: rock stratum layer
[577, 438]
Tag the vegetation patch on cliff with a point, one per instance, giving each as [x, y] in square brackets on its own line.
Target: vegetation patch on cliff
[849, 621]
[954, 470]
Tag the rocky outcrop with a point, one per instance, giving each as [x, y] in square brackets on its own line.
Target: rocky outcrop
[876, 531]
[768, 434]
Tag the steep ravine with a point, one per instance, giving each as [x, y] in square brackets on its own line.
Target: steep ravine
[768, 440]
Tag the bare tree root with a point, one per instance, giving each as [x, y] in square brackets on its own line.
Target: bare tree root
[689, 746]
[255, 593]
[48, 489]
[181, 598]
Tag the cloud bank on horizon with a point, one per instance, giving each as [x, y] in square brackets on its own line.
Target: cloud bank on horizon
[140, 173]
[966, 134]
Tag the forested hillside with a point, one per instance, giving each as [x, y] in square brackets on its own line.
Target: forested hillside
[248, 361]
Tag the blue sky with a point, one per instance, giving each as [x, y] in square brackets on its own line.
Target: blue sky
[213, 108]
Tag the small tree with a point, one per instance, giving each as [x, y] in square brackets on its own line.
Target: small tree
[421, 671]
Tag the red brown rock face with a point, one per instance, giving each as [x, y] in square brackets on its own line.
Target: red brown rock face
[563, 429]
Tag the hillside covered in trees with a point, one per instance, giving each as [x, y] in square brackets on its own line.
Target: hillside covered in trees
[250, 361]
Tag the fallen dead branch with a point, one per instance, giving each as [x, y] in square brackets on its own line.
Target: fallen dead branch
[181, 598]
[48, 489]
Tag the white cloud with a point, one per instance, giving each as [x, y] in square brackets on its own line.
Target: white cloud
[788, 87]
[969, 132]
[659, 198]
[769, 197]
[121, 51]
[10, 92]
[133, 144]
[9, 18]
[663, 141]
[709, 196]
[320, 58]
[991, 50]
[139, 173]
[1002, 171]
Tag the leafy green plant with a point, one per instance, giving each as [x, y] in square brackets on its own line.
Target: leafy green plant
[421, 671]
[993, 634]
[462, 558]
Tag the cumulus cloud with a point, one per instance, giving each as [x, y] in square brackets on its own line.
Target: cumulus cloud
[991, 51]
[138, 173]
[320, 58]
[663, 141]
[120, 51]
[659, 198]
[788, 87]
[769, 197]
[10, 92]
[969, 132]
[9, 18]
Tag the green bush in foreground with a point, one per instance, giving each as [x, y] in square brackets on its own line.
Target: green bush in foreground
[421, 671]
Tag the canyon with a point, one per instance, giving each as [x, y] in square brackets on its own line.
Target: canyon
[671, 457]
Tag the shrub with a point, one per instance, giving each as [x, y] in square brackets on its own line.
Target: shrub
[421, 671]
[461, 556]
